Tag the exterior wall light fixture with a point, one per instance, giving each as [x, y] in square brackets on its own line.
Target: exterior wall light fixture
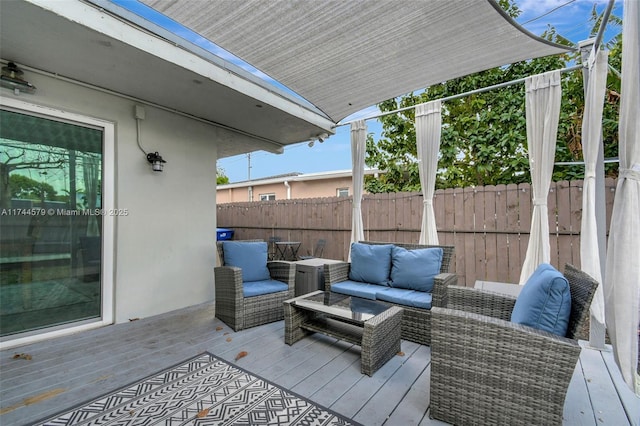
[11, 78]
[157, 163]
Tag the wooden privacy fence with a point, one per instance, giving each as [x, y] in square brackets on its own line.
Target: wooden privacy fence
[489, 226]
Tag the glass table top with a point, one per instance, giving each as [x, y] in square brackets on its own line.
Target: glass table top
[353, 309]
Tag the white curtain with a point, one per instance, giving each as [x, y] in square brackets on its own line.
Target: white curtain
[543, 95]
[591, 139]
[428, 124]
[358, 148]
[622, 278]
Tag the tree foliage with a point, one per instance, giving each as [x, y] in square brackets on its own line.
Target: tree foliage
[11, 160]
[221, 178]
[483, 140]
[24, 187]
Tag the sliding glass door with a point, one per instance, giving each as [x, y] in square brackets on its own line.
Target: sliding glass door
[51, 199]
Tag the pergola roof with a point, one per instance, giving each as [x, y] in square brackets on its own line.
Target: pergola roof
[344, 56]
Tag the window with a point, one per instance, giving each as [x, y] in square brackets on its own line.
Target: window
[267, 197]
[342, 192]
[51, 221]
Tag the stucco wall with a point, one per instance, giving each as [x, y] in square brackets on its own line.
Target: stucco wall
[164, 249]
[321, 187]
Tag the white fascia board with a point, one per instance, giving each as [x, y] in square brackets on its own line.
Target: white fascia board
[90, 16]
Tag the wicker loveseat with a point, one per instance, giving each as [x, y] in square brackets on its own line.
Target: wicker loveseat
[416, 321]
[240, 310]
[488, 370]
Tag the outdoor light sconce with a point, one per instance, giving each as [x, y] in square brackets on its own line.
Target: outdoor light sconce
[157, 163]
[320, 138]
[11, 78]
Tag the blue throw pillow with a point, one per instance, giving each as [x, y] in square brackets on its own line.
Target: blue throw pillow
[415, 269]
[251, 257]
[370, 263]
[544, 302]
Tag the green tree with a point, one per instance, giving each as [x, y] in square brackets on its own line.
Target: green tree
[24, 187]
[16, 159]
[483, 140]
[221, 178]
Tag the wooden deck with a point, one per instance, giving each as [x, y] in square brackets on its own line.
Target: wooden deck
[67, 371]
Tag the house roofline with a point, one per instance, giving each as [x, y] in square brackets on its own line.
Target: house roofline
[295, 177]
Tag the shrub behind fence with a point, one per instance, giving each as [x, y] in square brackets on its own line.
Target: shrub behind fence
[489, 226]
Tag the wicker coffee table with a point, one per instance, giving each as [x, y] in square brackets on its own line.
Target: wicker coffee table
[376, 327]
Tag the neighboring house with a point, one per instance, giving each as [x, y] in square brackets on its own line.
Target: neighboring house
[292, 185]
[107, 90]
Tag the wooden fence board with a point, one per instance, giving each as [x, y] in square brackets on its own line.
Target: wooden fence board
[524, 221]
[447, 226]
[610, 192]
[512, 227]
[575, 202]
[502, 240]
[489, 226]
[480, 235]
[469, 248]
[417, 207]
[402, 204]
[564, 224]
[461, 236]
[438, 210]
[343, 223]
[552, 205]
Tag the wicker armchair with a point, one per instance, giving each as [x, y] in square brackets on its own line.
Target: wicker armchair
[487, 370]
[416, 322]
[240, 312]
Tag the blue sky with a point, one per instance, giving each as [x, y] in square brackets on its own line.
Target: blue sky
[570, 18]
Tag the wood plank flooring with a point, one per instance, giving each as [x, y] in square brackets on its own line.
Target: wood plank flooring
[68, 371]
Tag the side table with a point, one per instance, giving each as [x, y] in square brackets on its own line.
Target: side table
[310, 274]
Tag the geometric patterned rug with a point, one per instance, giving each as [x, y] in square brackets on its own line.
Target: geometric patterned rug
[204, 390]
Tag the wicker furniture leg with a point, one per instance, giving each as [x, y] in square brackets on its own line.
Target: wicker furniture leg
[381, 339]
[293, 318]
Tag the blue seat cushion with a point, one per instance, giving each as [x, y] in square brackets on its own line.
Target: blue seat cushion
[401, 296]
[250, 256]
[258, 288]
[356, 288]
[370, 263]
[415, 269]
[544, 302]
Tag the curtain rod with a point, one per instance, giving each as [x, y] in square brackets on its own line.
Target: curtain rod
[459, 95]
[603, 25]
[581, 163]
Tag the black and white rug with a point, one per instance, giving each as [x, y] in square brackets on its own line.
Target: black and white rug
[204, 390]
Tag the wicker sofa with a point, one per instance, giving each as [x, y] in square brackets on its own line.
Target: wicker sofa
[239, 311]
[486, 369]
[416, 321]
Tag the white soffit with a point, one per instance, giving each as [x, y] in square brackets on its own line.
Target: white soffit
[104, 47]
[344, 56]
